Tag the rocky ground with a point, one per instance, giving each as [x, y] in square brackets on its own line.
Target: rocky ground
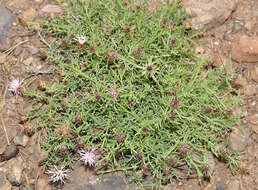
[231, 40]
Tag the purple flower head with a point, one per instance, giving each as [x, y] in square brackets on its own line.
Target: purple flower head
[174, 94]
[149, 68]
[170, 160]
[172, 42]
[58, 175]
[97, 96]
[15, 86]
[172, 117]
[87, 157]
[64, 149]
[207, 110]
[175, 103]
[164, 21]
[145, 129]
[79, 144]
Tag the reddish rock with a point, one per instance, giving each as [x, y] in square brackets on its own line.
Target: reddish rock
[254, 73]
[50, 9]
[245, 49]
[207, 14]
[239, 82]
[219, 60]
[43, 184]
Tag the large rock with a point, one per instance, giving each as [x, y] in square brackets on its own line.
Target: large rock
[206, 14]
[245, 49]
[6, 20]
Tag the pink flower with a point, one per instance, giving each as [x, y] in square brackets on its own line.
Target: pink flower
[15, 85]
[87, 157]
[58, 175]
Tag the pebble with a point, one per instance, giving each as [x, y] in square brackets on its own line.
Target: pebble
[239, 82]
[238, 140]
[2, 58]
[21, 140]
[28, 61]
[50, 9]
[4, 183]
[220, 185]
[33, 50]
[254, 73]
[209, 14]
[10, 152]
[42, 184]
[233, 184]
[14, 176]
[245, 49]
[6, 20]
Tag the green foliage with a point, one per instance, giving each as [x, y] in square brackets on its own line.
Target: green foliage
[136, 75]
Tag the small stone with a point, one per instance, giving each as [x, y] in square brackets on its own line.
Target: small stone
[21, 139]
[4, 183]
[33, 50]
[239, 82]
[238, 140]
[50, 9]
[28, 61]
[14, 176]
[245, 49]
[29, 14]
[2, 58]
[209, 14]
[211, 162]
[237, 26]
[254, 73]
[42, 184]
[6, 20]
[220, 185]
[219, 60]
[249, 25]
[10, 152]
[234, 185]
[250, 89]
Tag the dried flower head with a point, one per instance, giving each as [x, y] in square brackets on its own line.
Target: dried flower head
[182, 149]
[171, 26]
[139, 156]
[145, 170]
[175, 103]
[120, 137]
[87, 157]
[172, 42]
[58, 175]
[78, 119]
[111, 55]
[15, 86]
[207, 110]
[172, 117]
[170, 160]
[166, 171]
[138, 52]
[114, 94]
